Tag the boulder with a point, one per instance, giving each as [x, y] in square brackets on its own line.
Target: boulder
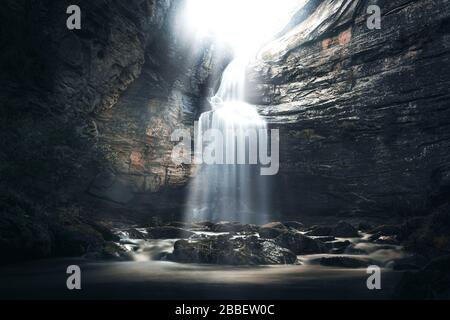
[226, 251]
[133, 233]
[345, 230]
[365, 226]
[344, 262]
[390, 240]
[338, 247]
[269, 233]
[300, 244]
[168, 233]
[233, 227]
[386, 230]
[325, 238]
[110, 251]
[320, 231]
[294, 225]
[275, 225]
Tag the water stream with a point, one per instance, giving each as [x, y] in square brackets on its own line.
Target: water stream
[229, 185]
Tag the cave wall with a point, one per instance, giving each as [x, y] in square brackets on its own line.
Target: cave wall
[363, 114]
[180, 71]
[86, 117]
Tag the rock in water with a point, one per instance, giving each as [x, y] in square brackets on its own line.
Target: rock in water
[168, 233]
[344, 262]
[294, 225]
[275, 225]
[345, 230]
[300, 244]
[238, 251]
[322, 231]
[270, 233]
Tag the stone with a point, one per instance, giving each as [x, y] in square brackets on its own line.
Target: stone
[133, 233]
[320, 231]
[167, 232]
[344, 262]
[233, 227]
[386, 230]
[300, 244]
[237, 251]
[337, 247]
[294, 225]
[275, 225]
[270, 233]
[345, 230]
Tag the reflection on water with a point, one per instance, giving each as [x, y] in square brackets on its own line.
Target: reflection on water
[145, 278]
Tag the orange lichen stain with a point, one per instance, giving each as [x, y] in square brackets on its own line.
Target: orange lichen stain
[136, 158]
[345, 37]
[326, 43]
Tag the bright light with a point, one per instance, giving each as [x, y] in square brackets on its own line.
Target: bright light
[243, 24]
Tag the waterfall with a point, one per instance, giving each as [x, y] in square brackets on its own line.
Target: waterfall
[230, 188]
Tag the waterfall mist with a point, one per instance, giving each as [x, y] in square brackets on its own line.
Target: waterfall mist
[231, 186]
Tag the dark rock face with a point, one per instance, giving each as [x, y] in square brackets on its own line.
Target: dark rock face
[430, 237]
[86, 115]
[362, 113]
[431, 282]
[227, 251]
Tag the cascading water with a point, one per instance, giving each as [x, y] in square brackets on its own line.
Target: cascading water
[232, 188]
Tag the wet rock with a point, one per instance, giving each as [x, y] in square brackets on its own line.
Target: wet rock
[110, 251]
[300, 244]
[233, 227]
[386, 230]
[337, 247]
[238, 251]
[391, 240]
[270, 233]
[294, 225]
[365, 226]
[320, 231]
[325, 238]
[133, 233]
[344, 230]
[205, 224]
[344, 262]
[275, 225]
[168, 233]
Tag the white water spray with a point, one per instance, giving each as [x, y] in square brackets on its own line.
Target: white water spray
[234, 190]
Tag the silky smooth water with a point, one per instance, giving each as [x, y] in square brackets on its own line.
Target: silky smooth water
[231, 187]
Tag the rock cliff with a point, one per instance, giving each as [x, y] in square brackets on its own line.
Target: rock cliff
[363, 114]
